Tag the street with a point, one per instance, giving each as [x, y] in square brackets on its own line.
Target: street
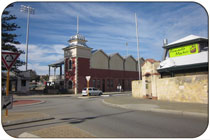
[100, 120]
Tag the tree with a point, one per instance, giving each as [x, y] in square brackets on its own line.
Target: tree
[9, 37]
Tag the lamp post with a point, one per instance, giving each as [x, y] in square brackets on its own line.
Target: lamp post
[137, 38]
[29, 10]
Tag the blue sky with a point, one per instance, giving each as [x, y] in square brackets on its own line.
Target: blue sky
[107, 26]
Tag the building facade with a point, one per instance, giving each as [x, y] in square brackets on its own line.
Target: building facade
[182, 76]
[106, 71]
[186, 56]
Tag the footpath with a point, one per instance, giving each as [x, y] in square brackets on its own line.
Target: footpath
[179, 108]
[58, 131]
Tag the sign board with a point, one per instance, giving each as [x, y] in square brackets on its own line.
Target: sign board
[184, 50]
[88, 78]
[7, 102]
[9, 58]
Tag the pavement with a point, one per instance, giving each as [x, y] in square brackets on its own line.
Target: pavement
[179, 108]
[125, 100]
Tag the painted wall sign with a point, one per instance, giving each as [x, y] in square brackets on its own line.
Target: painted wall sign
[184, 50]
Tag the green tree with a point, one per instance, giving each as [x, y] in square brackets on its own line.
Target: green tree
[9, 37]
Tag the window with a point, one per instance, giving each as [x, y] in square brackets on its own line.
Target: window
[70, 84]
[111, 83]
[146, 86]
[94, 83]
[95, 89]
[108, 83]
[70, 64]
[98, 84]
[23, 83]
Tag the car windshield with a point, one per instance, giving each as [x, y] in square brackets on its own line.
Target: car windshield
[84, 89]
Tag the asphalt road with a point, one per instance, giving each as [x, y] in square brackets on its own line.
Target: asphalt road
[101, 120]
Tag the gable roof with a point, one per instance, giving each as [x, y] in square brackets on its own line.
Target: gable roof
[130, 56]
[186, 40]
[151, 60]
[96, 51]
[111, 55]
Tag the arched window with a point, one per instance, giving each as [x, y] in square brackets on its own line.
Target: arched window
[70, 84]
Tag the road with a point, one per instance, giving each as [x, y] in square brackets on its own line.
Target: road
[93, 116]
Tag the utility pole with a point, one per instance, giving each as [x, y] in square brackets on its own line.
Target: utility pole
[137, 38]
[29, 10]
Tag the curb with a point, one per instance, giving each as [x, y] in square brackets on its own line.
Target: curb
[27, 135]
[166, 111]
[17, 122]
[29, 104]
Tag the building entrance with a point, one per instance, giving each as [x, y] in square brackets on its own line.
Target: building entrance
[103, 85]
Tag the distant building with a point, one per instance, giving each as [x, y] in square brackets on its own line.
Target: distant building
[186, 56]
[106, 71]
[18, 82]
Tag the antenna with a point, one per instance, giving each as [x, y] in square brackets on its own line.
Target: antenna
[126, 47]
[77, 24]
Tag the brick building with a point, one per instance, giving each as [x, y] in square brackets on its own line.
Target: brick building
[106, 71]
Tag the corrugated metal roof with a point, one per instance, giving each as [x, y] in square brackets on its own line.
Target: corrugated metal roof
[57, 63]
[198, 58]
[185, 39]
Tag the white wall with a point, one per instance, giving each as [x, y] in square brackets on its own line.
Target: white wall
[130, 64]
[99, 60]
[116, 62]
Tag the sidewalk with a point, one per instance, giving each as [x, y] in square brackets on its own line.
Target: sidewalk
[185, 109]
[58, 131]
[15, 118]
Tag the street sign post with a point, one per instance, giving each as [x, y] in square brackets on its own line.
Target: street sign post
[88, 79]
[8, 59]
[7, 102]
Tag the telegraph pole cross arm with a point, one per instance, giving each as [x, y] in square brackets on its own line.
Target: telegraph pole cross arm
[9, 59]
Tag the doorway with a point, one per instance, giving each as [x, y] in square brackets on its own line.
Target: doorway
[103, 85]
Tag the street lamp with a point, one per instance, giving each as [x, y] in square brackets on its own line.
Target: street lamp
[29, 10]
[137, 38]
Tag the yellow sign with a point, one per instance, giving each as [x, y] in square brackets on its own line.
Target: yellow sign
[184, 50]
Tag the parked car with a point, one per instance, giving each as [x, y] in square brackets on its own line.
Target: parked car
[92, 91]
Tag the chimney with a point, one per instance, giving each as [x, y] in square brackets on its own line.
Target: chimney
[165, 42]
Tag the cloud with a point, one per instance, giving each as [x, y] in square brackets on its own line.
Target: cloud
[109, 26]
[40, 69]
[42, 53]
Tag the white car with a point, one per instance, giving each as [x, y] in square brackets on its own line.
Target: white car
[92, 91]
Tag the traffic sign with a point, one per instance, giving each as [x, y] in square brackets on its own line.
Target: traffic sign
[9, 58]
[87, 78]
[7, 102]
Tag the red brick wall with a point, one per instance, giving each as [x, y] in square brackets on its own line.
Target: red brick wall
[101, 74]
[70, 74]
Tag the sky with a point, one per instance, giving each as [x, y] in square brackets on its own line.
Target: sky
[107, 26]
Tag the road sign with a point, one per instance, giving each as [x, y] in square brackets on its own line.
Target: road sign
[7, 102]
[88, 78]
[9, 58]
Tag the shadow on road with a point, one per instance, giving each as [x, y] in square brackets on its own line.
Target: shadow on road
[63, 120]
[81, 120]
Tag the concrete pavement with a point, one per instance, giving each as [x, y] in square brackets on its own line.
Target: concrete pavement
[124, 101]
[128, 102]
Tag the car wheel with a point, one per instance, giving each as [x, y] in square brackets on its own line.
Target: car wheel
[100, 94]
